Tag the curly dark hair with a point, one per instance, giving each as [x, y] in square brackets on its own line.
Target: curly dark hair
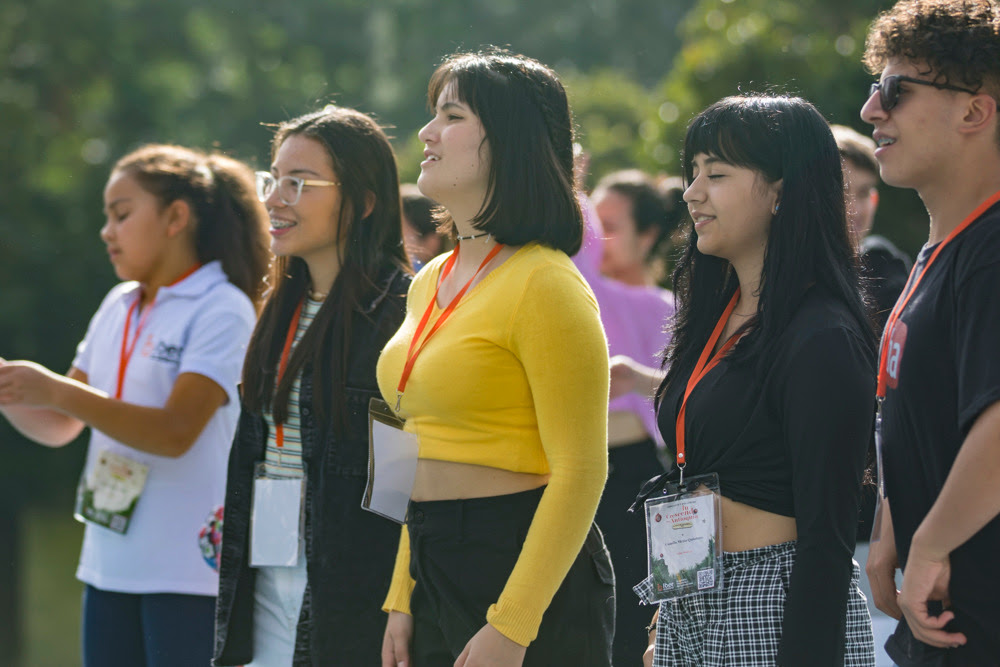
[958, 40]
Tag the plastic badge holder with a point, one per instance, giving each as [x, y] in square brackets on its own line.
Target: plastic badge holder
[276, 519]
[684, 539]
[108, 495]
[392, 463]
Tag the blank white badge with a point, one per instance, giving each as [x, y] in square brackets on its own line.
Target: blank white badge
[275, 522]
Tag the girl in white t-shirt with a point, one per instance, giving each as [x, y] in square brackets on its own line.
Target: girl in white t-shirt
[155, 378]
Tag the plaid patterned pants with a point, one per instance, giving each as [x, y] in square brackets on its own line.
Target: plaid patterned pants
[741, 624]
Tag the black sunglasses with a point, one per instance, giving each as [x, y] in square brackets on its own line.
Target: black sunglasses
[888, 89]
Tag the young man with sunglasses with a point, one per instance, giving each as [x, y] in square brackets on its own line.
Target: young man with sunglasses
[934, 110]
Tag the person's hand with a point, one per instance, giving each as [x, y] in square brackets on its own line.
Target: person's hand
[883, 562]
[489, 648]
[926, 578]
[396, 642]
[27, 384]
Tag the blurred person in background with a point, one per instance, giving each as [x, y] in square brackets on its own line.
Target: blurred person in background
[883, 266]
[635, 318]
[638, 216]
[421, 237]
[155, 378]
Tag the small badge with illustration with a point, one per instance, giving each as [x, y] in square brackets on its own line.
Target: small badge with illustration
[108, 495]
[684, 540]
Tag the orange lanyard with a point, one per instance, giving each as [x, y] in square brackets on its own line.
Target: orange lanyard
[701, 369]
[125, 355]
[293, 326]
[413, 352]
[914, 280]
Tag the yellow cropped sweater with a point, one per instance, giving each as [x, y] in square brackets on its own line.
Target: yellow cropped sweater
[517, 379]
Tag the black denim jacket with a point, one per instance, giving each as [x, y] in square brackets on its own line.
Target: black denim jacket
[350, 552]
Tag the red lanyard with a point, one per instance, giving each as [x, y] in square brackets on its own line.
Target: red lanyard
[701, 369]
[413, 352]
[127, 349]
[293, 326]
[912, 283]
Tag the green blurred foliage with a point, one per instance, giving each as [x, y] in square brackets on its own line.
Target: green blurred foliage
[810, 48]
[82, 83]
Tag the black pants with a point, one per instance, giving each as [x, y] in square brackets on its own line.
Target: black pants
[629, 466]
[461, 554]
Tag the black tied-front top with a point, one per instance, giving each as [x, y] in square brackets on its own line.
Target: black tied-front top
[793, 441]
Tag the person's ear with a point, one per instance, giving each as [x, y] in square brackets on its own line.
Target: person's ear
[178, 217]
[980, 115]
[369, 204]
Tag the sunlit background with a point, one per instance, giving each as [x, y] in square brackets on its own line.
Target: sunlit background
[82, 82]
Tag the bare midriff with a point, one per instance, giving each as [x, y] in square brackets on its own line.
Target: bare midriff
[625, 428]
[448, 480]
[745, 527]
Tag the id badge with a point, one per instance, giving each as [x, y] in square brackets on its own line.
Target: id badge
[684, 540]
[392, 463]
[108, 495]
[276, 519]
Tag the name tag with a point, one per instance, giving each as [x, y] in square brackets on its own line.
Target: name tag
[392, 463]
[276, 519]
[684, 540]
[108, 495]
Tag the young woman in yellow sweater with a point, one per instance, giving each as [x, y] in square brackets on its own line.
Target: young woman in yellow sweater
[500, 369]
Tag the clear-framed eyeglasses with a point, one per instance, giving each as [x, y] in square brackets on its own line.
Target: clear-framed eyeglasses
[289, 187]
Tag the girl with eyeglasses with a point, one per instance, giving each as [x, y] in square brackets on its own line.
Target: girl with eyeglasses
[769, 384]
[155, 378]
[500, 370]
[337, 292]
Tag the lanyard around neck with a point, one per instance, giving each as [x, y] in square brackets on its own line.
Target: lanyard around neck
[293, 326]
[911, 287]
[413, 352]
[128, 348]
[701, 369]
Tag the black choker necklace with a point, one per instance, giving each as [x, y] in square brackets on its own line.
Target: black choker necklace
[472, 236]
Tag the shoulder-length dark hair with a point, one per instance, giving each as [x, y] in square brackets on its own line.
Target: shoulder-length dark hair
[529, 130]
[365, 167]
[781, 138]
[230, 224]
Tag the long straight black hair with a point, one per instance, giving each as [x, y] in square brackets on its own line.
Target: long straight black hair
[782, 138]
[365, 168]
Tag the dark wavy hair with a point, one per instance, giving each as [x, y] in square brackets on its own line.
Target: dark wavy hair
[529, 130]
[958, 41]
[365, 168]
[780, 138]
[230, 224]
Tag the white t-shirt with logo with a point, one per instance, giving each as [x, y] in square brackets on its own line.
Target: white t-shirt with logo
[200, 325]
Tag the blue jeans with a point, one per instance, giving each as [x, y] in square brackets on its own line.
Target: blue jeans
[146, 630]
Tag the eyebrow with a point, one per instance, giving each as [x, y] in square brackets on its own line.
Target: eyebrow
[296, 172]
[112, 204]
[451, 105]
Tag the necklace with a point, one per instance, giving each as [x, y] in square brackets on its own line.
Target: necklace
[472, 236]
[317, 296]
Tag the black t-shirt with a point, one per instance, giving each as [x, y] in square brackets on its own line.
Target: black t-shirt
[793, 442]
[948, 373]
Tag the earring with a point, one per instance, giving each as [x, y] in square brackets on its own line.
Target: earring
[777, 205]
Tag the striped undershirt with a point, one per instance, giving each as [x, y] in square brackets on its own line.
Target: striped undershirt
[286, 461]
